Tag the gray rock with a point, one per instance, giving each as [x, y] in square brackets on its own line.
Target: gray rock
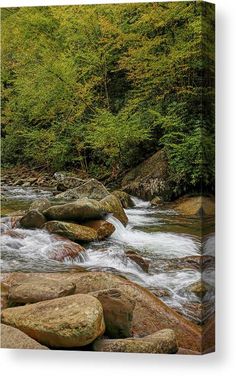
[90, 189]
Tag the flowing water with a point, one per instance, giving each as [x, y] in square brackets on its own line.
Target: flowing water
[160, 236]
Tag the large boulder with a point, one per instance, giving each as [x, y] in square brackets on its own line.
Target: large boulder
[150, 313]
[125, 199]
[149, 179]
[79, 210]
[103, 228]
[112, 204]
[195, 206]
[66, 181]
[118, 312]
[33, 219]
[38, 289]
[41, 204]
[72, 231]
[91, 189]
[71, 321]
[161, 342]
[12, 338]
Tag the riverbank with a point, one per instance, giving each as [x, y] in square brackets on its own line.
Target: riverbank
[159, 250]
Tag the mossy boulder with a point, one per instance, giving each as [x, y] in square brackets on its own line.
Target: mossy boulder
[125, 199]
[33, 219]
[79, 210]
[90, 189]
[72, 231]
[103, 228]
[71, 321]
[113, 205]
[149, 179]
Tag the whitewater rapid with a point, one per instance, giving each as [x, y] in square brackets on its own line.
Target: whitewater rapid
[33, 251]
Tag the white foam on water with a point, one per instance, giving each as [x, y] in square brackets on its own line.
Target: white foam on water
[162, 243]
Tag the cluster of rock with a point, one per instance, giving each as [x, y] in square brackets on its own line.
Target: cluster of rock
[83, 219]
[96, 309]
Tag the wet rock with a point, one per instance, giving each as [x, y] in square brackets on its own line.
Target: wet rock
[150, 313]
[199, 288]
[160, 293]
[15, 220]
[33, 219]
[149, 179]
[118, 312]
[72, 231]
[14, 234]
[195, 206]
[92, 189]
[103, 228]
[156, 201]
[125, 199]
[71, 321]
[38, 289]
[112, 204]
[79, 210]
[144, 264]
[66, 249]
[12, 338]
[40, 205]
[161, 342]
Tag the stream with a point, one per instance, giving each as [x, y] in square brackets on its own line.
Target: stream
[160, 235]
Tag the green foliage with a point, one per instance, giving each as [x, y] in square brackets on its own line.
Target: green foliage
[101, 87]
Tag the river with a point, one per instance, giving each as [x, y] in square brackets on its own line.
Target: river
[158, 234]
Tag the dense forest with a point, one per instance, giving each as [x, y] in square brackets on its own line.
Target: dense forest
[101, 88]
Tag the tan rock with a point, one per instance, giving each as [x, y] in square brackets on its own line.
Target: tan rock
[72, 231]
[150, 313]
[37, 289]
[71, 321]
[79, 210]
[125, 199]
[103, 228]
[12, 338]
[161, 342]
[193, 206]
[118, 312]
[113, 205]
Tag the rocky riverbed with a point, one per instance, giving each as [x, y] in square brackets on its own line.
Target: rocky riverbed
[144, 271]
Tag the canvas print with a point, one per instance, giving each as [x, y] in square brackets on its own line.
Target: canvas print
[107, 177]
